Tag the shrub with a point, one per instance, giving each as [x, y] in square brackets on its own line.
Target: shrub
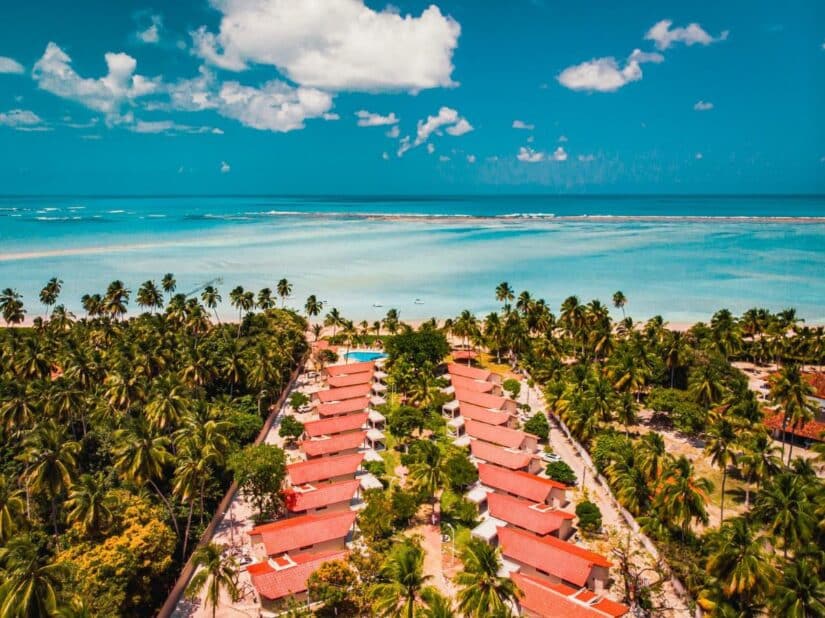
[459, 470]
[590, 517]
[538, 425]
[513, 387]
[561, 472]
[418, 347]
[298, 400]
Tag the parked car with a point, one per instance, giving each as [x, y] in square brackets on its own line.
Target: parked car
[550, 457]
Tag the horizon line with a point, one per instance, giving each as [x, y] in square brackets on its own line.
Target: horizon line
[415, 195]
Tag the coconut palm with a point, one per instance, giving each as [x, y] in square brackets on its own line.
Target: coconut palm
[504, 293]
[90, 505]
[30, 582]
[265, 300]
[792, 393]
[719, 445]
[651, 456]
[333, 319]
[482, 591]
[149, 296]
[682, 495]
[391, 321]
[211, 297]
[760, 460]
[116, 299]
[801, 592]
[50, 293]
[11, 305]
[169, 284]
[284, 289]
[705, 385]
[435, 605]
[313, 306]
[402, 582]
[11, 509]
[215, 573]
[783, 504]
[92, 305]
[739, 560]
[619, 301]
[167, 403]
[427, 473]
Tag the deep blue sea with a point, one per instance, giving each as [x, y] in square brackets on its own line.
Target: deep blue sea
[681, 257]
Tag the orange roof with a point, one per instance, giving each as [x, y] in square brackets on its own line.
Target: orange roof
[512, 460]
[312, 497]
[354, 379]
[290, 576]
[349, 369]
[342, 394]
[536, 517]
[323, 469]
[483, 415]
[454, 369]
[518, 483]
[343, 407]
[468, 384]
[813, 430]
[561, 559]
[503, 436]
[337, 424]
[463, 354]
[549, 599]
[491, 402]
[817, 380]
[334, 444]
[286, 535]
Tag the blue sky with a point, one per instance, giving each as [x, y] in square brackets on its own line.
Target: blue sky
[263, 96]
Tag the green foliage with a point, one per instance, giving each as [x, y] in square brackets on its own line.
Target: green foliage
[243, 426]
[538, 425]
[418, 348]
[457, 510]
[297, 400]
[260, 471]
[404, 420]
[609, 447]
[291, 428]
[336, 584]
[512, 386]
[561, 472]
[590, 516]
[387, 512]
[459, 471]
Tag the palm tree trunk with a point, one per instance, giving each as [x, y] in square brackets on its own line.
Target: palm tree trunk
[722, 504]
[186, 534]
[790, 450]
[168, 507]
[54, 515]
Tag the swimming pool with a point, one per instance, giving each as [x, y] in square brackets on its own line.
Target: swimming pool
[360, 356]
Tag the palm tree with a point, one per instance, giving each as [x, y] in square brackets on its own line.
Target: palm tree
[50, 463]
[792, 392]
[801, 593]
[11, 510]
[435, 605]
[427, 474]
[211, 297]
[619, 301]
[92, 304]
[284, 289]
[116, 299]
[682, 496]
[11, 305]
[30, 581]
[402, 582]
[739, 560]
[313, 306]
[391, 321]
[169, 284]
[90, 504]
[783, 504]
[216, 573]
[482, 591]
[149, 296]
[674, 351]
[50, 292]
[760, 460]
[705, 385]
[721, 437]
[167, 403]
[652, 457]
[265, 300]
[504, 293]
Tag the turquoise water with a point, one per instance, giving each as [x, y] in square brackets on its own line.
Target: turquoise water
[361, 357]
[366, 255]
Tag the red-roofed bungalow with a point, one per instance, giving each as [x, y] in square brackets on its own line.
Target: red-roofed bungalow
[341, 408]
[523, 485]
[285, 577]
[326, 446]
[336, 424]
[326, 470]
[535, 517]
[304, 534]
[343, 394]
[308, 499]
[472, 373]
[542, 599]
[353, 379]
[350, 369]
[506, 458]
[503, 436]
[483, 400]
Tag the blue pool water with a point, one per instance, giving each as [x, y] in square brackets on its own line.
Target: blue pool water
[362, 357]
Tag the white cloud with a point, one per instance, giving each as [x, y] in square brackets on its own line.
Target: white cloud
[217, 131]
[21, 119]
[443, 158]
[528, 155]
[225, 167]
[559, 154]
[370, 119]
[604, 74]
[330, 116]
[460, 128]
[169, 127]
[520, 124]
[430, 148]
[471, 158]
[562, 138]
[393, 132]
[335, 44]
[702, 106]
[446, 117]
[107, 94]
[664, 36]
[151, 34]
[10, 65]
[403, 146]
[586, 158]
[385, 156]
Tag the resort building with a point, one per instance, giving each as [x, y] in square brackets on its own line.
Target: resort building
[341, 444]
[804, 433]
[541, 598]
[512, 459]
[472, 373]
[326, 470]
[554, 559]
[484, 400]
[523, 485]
[341, 408]
[309, 499]
[503, 436]
[479, 386]
[536, 517]
[349, 369]
[307, 534]
[331, 395]
[352, 379]
[282, 579]
[336, 425]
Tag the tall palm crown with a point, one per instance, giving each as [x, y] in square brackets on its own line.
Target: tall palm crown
[215, 573]
[482, 591]
[402, 582]
[738, 559]
[619, 300]
[50, 292]
[313, 306]
[284, 289]
[169, 283]
[11, 305]
[721, 438]
[792, 393]
[504, 293]
[29, 584]
[89, 504]
[149, 296]
[683, 496]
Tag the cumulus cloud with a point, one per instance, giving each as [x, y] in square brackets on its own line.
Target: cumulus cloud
[604, 74]
[460, 128]
[151, 35]
[520, 124]
[275, 106]
[443, 158]
[20, 119]
[330, 116]
[335, 44]
[169, 127]
[528, 155]
[559, 154]
[702, 106]
[471, 158]
[107, 94]
[393, 132]
[664, 36]
[10, 65]
[225, 167]
[446, 117]
[430, 148]
[370, 119]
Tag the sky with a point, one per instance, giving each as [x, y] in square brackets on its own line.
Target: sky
[457, 96]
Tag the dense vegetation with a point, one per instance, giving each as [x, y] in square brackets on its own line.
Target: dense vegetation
[118, 437]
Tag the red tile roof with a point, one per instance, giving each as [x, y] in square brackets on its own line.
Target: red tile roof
[561, 559]
[813, 430]
[817, 380]
[533, 516]
[273, 584]
[323, 469]
[286, 535]
[336, 424]
[343, 407]
[354, 379]
[342, 394]
[307, 497]
[503, 436]
[550, 599]
[350, 369]
[454, 369]
[483, 415]
[517, 483]
[491, 402]
[463, 354]
[476, 386]
[333, 444]
[512, 460]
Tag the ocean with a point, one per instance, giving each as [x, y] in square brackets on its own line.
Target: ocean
[679, 257]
